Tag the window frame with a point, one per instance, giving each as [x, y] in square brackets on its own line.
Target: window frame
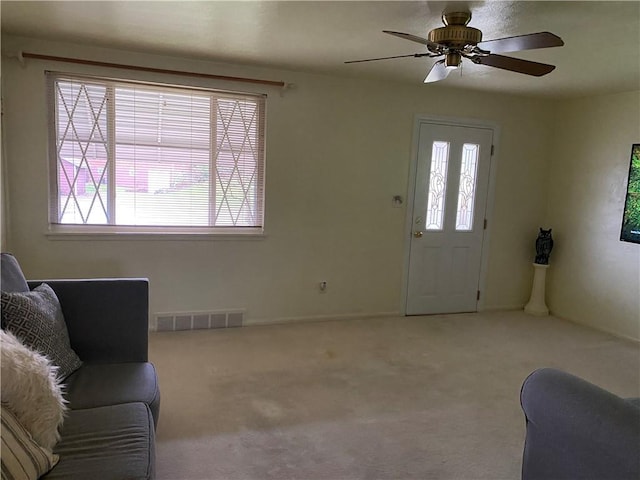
[58, 230]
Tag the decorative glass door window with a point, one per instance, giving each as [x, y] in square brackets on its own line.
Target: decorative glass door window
[437, 185]
[467, 189]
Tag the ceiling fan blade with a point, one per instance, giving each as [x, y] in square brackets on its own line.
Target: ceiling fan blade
[522, 42]
[438, 72]
[515, 65]
[388, 58]
[413, 38]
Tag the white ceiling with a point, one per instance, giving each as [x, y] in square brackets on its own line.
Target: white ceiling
[601, 52]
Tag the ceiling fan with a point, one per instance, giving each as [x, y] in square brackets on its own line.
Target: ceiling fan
[456, 40]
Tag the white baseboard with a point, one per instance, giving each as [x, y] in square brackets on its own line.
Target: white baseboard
[318, 318]
[599, 328]
[501, 308]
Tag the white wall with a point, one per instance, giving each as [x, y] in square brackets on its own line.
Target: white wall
[594, 278]
[337, 151]
[3, 200]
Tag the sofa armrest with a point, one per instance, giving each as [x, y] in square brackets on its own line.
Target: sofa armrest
[107, 319]
[577, 430]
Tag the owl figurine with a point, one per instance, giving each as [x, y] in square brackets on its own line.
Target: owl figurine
[544, 245]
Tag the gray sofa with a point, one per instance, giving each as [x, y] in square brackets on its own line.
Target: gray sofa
[576, 430]
[114, 398]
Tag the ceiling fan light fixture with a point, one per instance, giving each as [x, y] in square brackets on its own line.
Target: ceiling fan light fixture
[452, 60]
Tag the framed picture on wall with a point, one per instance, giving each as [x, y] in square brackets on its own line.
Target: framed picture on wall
[631, 216]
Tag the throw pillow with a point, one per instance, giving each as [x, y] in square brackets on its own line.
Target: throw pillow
[36, 318]
[22, 457]
[31, 390]
[11, 276]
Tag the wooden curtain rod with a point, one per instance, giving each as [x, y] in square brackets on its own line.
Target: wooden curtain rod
[150, 69]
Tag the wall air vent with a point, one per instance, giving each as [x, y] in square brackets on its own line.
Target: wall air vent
[167, 322]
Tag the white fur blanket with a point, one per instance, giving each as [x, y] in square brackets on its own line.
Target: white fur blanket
[30, 389]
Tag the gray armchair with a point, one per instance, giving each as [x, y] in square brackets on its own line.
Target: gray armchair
[576, 430]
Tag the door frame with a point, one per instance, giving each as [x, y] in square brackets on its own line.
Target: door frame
[419, 121]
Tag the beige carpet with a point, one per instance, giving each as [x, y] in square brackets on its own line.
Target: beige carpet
[396, 398]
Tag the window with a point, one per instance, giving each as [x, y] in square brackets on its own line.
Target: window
[138, 154]
[467, 188]
[437, 185]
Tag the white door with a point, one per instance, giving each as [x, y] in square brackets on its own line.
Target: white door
[452, 182]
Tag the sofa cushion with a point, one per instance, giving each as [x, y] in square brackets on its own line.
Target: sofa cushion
[22, 457]
[12, 279]
[97, 385]
[634, 401]
[36, 318]
[107, 443]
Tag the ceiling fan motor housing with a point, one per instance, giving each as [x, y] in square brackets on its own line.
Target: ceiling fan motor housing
[455, 33]
[455, 36]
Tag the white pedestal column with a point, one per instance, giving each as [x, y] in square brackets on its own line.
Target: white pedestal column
[536, 305]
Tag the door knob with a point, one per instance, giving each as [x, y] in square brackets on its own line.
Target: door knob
[418, 234]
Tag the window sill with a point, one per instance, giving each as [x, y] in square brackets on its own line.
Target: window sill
[97, 232]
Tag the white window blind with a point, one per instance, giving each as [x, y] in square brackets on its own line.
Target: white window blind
[135, 154]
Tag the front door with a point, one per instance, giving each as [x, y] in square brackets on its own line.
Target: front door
[452, 183]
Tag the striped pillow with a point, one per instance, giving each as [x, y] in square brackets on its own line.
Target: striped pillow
[22, 458]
